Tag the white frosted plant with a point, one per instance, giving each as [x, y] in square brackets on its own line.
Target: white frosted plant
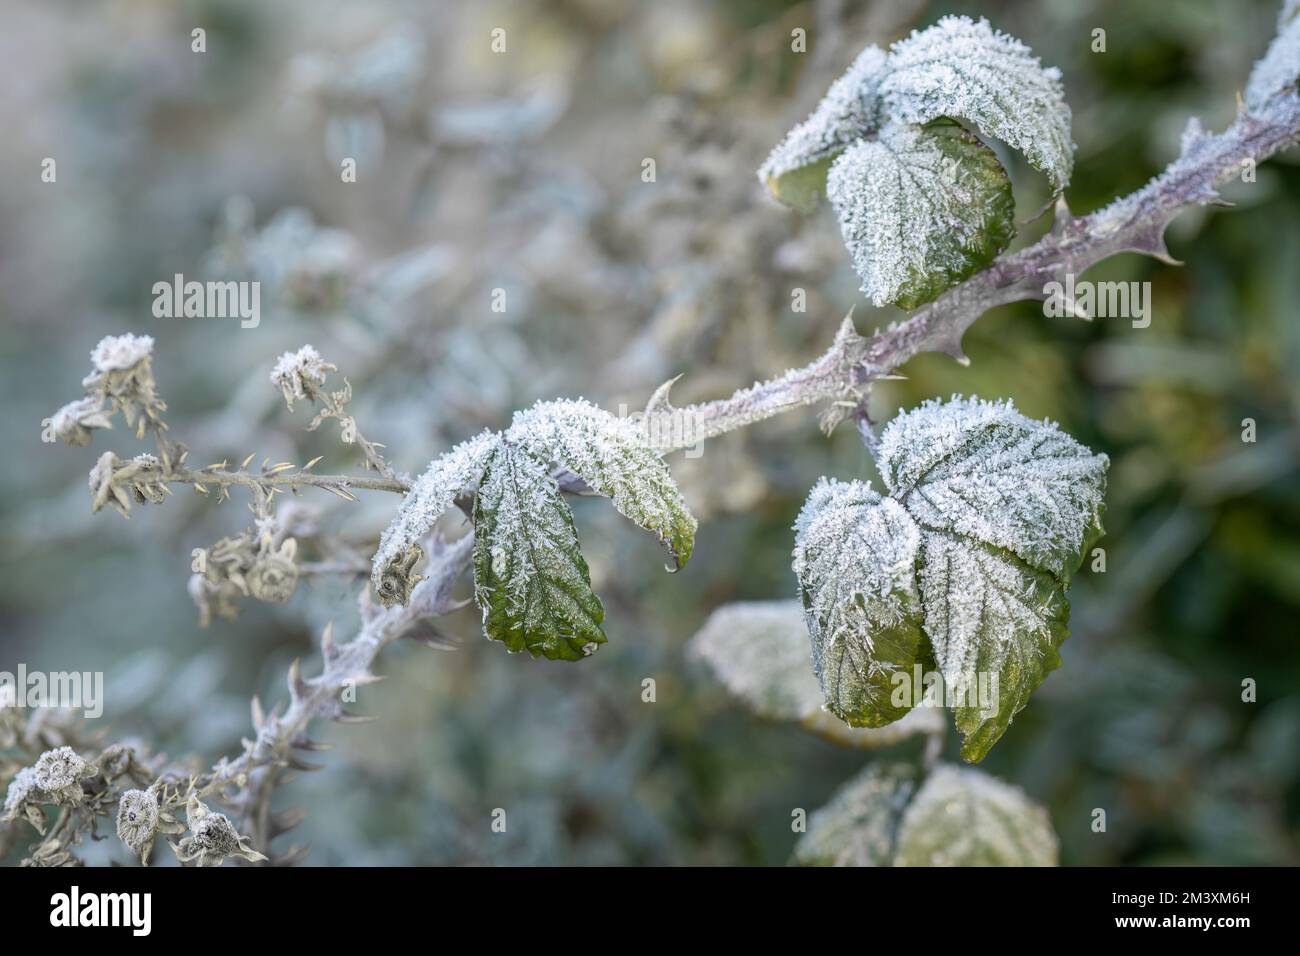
[922, 201]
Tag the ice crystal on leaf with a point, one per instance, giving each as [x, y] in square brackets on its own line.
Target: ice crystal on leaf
[759, 651]
[920, 208]
[1278, 72]
[922, 202]
[965, 562]
[530, 578]
[612, 456]
[963, 817]
[795, 171]
[964, 69]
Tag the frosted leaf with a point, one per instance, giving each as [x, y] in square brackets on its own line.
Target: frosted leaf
[759, 651]
[1007, 508]
[920, 209]
[963, 69]
[530, 579]
[613, 457]
[988, 516]
[963, 817]
[795, 171]
[431, 494]
[1278, 71]
[855, 557]
[981, 470]
[859, 826]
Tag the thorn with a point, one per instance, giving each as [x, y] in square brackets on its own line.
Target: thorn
[298, 687]
[247, 460]
[327, 646]
[285, 820]
[313, 463]
[297, 763]
[847, 332]
[259, 716]
[344, 717]
[314, 746]
[659, 403]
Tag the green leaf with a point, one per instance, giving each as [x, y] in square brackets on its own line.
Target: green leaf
[859, 826]
[530, 579]
[795, 172]
[1006, 507]
[613, 456]
[392, 569]
[855, 557]
[964, 69]
[988, 516]
[963, 817]
[920, 209]
[759, 651]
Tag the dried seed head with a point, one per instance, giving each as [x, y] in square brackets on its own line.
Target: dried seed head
[73, 422]
[274, 577]
[299, 374]
[137, 821]
[123, 374]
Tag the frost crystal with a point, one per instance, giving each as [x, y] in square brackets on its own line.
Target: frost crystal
[962, 817]
[988, 516]
[964, 69]
[296, 373]
[530, 578]
[920, 209]
[848, 113]
[1278, 72]
[431, 495]
[759, 651]
[116, 353]
[612, 456]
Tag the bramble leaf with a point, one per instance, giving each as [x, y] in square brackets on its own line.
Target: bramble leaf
[859, 826]
[795, 171]
[530, 578]
[897, 815]
[431, 495]
[963, 817]
[920, 209]
[855, 557]
[987, 518]
[964, 69]
[611, 455]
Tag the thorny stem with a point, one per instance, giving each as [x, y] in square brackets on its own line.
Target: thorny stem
[290, 480]
[1135, 223]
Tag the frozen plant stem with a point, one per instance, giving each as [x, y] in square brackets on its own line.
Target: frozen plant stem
[1135, 223]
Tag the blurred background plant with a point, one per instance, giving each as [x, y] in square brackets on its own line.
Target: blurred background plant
[522, 172]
